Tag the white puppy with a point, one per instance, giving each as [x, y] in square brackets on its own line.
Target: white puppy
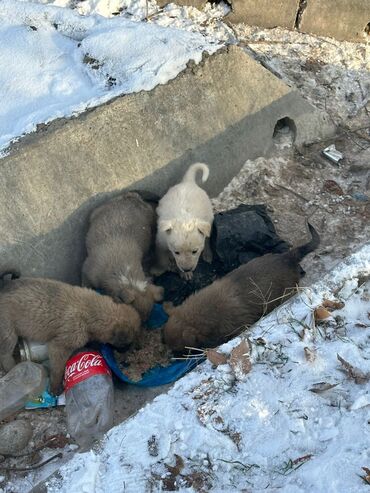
[185, 219]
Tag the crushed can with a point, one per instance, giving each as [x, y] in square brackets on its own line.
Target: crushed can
[32, 351]
[37, 352]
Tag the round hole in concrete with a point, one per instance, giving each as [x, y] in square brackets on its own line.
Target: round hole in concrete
[285, 132]
[367, 29]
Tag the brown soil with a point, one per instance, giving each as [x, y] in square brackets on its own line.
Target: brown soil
[149, 351]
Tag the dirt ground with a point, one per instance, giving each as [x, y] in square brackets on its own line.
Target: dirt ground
[294, 183]
[302, 183]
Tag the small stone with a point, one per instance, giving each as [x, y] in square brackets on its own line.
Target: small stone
[332, 186]
[14, 437]
[361, 197]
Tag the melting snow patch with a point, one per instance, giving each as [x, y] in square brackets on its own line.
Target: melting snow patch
[58, 63]
[292, 423]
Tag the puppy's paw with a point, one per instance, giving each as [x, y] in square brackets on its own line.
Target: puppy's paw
[168, 307]
[157, 292]
[56, 388]
[188, 276]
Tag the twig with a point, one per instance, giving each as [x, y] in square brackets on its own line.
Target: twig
[159, 11]
[31, 468]
[247, 467]
[37, 449]
[293, 192]
[190, 357]
[195, 349]
[272, 42]
[347, 133]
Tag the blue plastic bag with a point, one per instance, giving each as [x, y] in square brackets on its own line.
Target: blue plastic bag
[159, 375]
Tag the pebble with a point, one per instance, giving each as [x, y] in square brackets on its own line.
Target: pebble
[14, 437]
[361, 197]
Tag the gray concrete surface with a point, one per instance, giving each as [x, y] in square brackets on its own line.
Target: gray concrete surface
[347, 20]
[265, 13]
[340, 19]
[199, 4]
[222, 111]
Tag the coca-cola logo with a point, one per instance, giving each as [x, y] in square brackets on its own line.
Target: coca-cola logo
[83, 366]
[87, 360]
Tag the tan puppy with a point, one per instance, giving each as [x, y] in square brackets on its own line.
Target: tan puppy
[185, 220]
[229, 305]
[120, 235]
[63, 316]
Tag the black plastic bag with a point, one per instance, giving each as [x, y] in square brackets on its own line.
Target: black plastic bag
[238, 236]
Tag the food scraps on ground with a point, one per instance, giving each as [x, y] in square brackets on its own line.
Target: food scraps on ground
[146, 353]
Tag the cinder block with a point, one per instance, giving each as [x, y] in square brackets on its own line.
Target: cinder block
[340, 19]
[264, 13]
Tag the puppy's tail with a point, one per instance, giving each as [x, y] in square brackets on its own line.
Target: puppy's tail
[299, 252]
[193, 170]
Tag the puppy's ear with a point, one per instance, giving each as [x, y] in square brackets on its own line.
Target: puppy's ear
[156, 291]
[165, 226]
[204, 228]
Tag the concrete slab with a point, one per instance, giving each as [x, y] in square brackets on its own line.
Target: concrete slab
[222, 111]
[340, 19]
[264, 13]
[199, 4]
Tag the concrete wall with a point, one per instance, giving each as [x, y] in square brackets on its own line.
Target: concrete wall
[222, 111]
[266, 13]
[341, 19]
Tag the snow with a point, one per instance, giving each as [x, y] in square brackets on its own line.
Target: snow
[333, 75]
[65, 56]
[58, 63]
[266, 430]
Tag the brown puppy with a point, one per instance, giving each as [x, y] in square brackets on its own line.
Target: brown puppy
[221, 311]
[63, 316]
[120, 235]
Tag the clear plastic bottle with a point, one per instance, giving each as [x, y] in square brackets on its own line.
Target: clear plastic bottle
[25, 381]
[89, 397]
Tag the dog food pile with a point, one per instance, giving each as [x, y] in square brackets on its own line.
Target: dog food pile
[148, 352]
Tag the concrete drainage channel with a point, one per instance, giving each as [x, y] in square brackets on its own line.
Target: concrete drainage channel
[223, 111]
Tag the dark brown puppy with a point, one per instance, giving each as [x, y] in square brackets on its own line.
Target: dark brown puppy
[63, 316]
[120, 236]
[223, 309]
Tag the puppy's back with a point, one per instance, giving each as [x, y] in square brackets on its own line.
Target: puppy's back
[185, 201]
[268, 277]
[45, 308]
[125, 216]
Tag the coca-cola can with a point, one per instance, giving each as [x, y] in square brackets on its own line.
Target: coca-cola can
[32, 351]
